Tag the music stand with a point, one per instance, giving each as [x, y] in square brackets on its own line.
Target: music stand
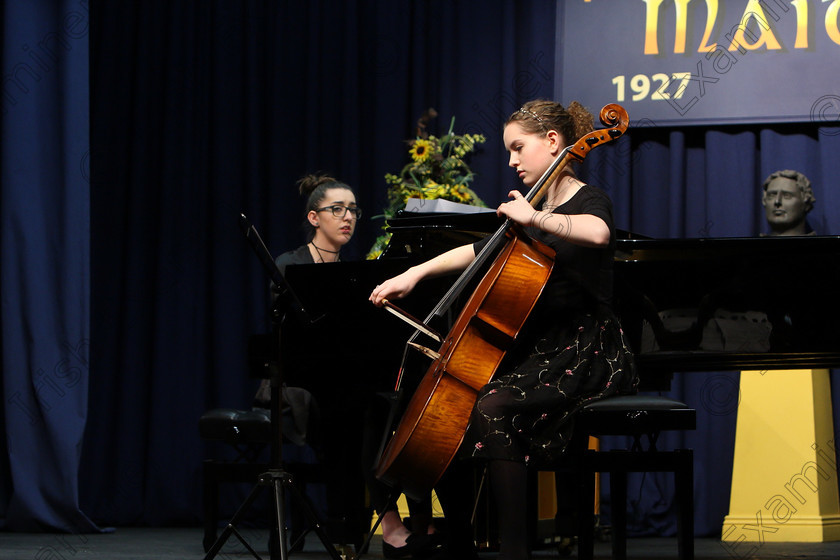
[276, 476]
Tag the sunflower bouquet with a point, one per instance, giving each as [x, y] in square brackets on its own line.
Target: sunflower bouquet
[437, 169]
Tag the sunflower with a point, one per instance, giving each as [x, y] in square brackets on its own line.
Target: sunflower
[438, 169]
[461, 193]
[421, 150]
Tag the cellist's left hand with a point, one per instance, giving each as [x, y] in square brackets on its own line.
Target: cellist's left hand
[518, 209]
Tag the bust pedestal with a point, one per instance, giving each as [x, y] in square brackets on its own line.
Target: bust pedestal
[784, 476]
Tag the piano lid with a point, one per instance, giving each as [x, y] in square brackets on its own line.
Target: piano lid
[730, 303]
[702, 304]
[419, 236]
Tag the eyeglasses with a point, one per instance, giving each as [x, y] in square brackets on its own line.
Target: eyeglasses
[340, 211]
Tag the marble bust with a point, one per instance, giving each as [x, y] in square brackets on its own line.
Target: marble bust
[787, 199]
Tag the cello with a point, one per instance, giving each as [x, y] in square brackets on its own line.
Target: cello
[436, 417]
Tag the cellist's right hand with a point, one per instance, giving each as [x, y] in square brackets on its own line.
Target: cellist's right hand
[394, 288]
[400, 286]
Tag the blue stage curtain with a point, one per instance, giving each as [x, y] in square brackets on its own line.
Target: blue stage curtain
[44, 263]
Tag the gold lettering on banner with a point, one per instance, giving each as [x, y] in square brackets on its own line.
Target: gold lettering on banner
[682, 23]
[831, 21]
[652, 26]
[753, 31]
[801, 24]
[711, 16]
[754, 12]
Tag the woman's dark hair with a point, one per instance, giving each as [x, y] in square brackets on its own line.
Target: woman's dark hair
[313, 188]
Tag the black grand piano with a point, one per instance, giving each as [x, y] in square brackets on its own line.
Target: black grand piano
[686, 304]
[700, 304]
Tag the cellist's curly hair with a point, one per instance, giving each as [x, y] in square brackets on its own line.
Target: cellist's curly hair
[541, 115]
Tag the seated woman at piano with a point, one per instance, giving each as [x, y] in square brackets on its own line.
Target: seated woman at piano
[571, 349]
[329, 222]
[331, 216]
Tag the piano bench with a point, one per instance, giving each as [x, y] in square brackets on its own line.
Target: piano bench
[248, 432]
[642, 418]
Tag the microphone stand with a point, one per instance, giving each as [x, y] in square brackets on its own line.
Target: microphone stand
[276, 477]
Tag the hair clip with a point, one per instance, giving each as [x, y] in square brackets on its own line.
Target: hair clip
[531, 113]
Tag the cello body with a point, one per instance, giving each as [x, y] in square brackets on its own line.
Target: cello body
[437, 416]
[421, 449]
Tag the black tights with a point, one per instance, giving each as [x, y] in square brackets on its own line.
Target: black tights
[509, 487]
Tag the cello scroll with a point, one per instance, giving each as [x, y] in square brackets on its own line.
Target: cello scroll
[612, 116]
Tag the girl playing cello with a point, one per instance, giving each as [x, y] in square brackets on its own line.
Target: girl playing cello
[571, 349]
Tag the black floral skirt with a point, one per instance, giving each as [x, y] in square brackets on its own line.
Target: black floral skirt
[526, 412]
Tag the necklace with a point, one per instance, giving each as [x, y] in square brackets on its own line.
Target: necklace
[565, 185]
[321, 256]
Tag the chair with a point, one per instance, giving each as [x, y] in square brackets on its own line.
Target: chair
[248, 432]
[643, 418]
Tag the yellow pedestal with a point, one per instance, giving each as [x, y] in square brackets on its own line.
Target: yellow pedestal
[784, 476]
[402, 506]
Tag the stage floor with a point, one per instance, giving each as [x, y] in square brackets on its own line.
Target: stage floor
[185, 544]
